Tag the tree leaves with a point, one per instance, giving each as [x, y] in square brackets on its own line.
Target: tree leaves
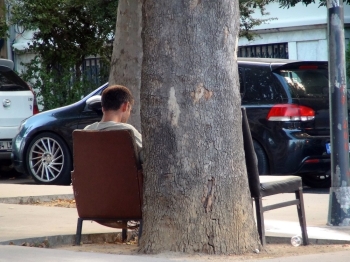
[66, 32]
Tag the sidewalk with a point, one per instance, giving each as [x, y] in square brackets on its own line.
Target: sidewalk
[28, 223]
[283, 222]
[21, 222]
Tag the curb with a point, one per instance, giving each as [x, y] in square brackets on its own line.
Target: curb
[33, 199]
[313, 241]
[62, 240]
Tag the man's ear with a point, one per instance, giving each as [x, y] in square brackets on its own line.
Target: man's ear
[124, 106]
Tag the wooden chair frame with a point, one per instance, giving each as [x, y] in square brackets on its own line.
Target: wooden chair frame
[261, 186]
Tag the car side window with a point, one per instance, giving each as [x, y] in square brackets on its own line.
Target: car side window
[260, 87]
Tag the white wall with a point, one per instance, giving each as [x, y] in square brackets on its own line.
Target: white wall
[299, 15]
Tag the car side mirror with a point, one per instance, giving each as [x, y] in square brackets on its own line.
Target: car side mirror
[94, 103]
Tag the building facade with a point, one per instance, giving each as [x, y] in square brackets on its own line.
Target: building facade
[298, 33]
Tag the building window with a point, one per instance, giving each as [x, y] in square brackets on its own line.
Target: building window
[271, 50]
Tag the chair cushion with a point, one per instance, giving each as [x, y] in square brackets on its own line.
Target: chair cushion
[271, 185]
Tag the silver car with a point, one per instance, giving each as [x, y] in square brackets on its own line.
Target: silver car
[17, 103]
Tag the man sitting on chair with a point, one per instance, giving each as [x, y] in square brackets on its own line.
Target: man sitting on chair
[116, 102]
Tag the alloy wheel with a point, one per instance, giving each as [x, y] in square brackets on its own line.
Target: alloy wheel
[46, 159]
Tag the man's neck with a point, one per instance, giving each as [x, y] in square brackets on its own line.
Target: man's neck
[111, 116]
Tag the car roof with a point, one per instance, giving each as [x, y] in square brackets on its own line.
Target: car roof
[275, 63]
[265, 60]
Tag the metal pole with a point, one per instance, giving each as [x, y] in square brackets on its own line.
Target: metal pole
[339, 195]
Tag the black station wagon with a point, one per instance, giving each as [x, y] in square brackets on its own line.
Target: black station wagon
[287, 107]
[288, 110]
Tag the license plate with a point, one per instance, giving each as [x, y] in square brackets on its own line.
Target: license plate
[5, 145]
[328, 148]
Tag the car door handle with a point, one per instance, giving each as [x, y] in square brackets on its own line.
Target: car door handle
[6, 102]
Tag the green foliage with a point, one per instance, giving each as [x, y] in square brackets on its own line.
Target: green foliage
[247, 8]
[66, 32]
[3, 23]
[60, 86]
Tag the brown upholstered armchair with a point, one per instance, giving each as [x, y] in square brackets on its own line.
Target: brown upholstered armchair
[107, 178]
[262, 186]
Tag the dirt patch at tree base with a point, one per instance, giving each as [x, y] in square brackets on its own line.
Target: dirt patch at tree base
[272, 250]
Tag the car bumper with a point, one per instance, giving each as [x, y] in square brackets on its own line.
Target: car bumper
[16, 157]
[315, 165]
[5, 155]
[298, 153]
[18, 165]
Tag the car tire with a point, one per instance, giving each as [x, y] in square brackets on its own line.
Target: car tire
[317, 180]
[263, 164]
[48, 160]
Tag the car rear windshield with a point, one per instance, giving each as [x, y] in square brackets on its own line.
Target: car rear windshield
[10, 81]
[305, 82]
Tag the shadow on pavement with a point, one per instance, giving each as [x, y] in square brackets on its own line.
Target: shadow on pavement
[309, 190]
[8, 175]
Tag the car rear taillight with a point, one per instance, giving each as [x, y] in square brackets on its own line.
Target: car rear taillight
[308, 67]
[35, 103]
[35, 107]
[290, 112]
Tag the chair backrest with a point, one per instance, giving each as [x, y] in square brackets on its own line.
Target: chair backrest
[107, 177]
[250, 157]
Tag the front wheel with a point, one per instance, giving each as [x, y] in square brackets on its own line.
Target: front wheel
[48, 160]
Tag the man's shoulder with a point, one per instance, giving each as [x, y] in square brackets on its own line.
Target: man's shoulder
[92, 126]
[117, 126]
[106, 126]
[110, 125]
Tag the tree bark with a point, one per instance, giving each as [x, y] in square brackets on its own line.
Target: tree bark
[196, 196]
[127, 53]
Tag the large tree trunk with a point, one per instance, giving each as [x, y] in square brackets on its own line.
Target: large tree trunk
[127, 53]
[196, 194]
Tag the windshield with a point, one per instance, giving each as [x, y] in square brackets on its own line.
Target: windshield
[305, 83]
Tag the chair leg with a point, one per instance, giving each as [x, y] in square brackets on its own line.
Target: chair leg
[301, 215]
[78, 234]
[140, 229]
[260, 220]
[140, 232]
[124, 234]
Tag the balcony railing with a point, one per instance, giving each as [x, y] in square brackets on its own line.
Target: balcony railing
[268, 51]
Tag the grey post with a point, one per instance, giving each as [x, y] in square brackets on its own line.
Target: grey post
[339, 195]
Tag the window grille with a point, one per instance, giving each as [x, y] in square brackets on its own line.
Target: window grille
[269, 51]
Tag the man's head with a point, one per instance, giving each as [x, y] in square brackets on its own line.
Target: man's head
[119, 99]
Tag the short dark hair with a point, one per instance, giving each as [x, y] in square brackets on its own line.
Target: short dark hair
[114, 96]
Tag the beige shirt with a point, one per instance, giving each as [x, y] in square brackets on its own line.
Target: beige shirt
[111, 125]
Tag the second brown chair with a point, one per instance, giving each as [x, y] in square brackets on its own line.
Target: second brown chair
[263, 186]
